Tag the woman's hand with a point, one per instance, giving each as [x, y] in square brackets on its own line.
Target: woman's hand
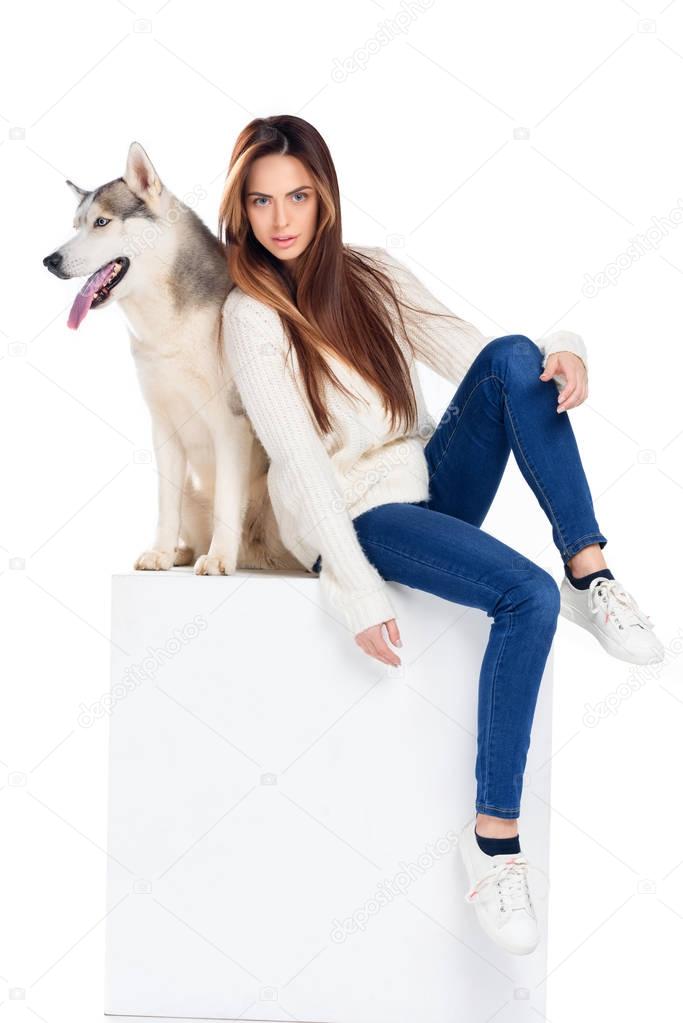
[372, 642]
[573, 369]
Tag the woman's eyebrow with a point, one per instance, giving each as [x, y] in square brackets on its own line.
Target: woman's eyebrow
[302, 189]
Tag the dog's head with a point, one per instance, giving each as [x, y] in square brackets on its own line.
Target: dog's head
[114, 224]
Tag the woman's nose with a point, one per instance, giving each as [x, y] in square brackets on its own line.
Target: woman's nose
[280, 217]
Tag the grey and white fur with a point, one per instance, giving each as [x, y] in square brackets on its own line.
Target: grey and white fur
[213, 505]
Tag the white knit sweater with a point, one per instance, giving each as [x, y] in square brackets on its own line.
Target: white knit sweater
[319, 482]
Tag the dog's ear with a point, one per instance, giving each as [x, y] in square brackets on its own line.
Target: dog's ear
[80, 192]
[140, 175]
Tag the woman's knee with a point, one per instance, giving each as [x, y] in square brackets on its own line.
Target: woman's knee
[513, 350]
[535, 592]
[547, 595]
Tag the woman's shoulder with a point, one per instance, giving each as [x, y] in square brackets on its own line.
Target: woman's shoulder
[375, 252]
[387, 261]
[243, 310]
[369, 251]
[239, 301]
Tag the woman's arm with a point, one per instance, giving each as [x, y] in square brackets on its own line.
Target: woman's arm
[448, 346]
[300, 477]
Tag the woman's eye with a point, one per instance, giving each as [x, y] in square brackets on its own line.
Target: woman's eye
[298, 196]
[100, 222]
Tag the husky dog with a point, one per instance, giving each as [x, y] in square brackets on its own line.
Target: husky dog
[147, 250]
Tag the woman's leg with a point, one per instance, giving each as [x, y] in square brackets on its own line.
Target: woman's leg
[440, 554]
[502, 406]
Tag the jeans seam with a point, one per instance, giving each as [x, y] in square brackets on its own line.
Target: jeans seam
[493, 701]
[588, 536]
[491, 376]
[503, 809]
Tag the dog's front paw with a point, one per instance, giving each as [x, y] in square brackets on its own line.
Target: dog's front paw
[155, 561]
[215, 564]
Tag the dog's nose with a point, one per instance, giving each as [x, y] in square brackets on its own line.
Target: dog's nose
[53, 260]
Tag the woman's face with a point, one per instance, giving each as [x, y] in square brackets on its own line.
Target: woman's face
[281, 203]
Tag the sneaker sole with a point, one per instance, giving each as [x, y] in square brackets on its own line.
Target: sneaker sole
[572, 614]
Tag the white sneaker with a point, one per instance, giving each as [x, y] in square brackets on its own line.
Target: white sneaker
[499, 891]
[611, 614]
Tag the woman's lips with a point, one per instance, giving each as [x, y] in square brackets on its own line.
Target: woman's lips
[287, 241]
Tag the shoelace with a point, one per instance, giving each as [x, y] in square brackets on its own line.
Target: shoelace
[610, 596]
[512, 878]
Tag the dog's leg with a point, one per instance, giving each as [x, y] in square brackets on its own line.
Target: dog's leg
[171, 464]
[196, 516]
[232, 446]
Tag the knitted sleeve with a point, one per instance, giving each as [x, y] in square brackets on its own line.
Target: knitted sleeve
[449, 346]
[301, 482]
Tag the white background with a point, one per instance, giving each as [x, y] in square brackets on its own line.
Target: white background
[514, 151]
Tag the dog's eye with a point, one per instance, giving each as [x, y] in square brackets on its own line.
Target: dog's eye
[100, 222]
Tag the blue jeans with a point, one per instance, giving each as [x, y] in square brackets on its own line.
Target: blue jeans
[438, 545]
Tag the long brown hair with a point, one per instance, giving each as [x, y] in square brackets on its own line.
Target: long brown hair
[334, 300]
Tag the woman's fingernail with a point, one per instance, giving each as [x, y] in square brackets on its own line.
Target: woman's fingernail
[399, 643]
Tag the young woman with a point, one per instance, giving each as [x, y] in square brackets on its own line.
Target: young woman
[322, 340]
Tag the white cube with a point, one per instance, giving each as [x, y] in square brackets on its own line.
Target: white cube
[284, 810]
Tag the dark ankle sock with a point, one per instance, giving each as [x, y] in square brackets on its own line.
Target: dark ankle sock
[582, 582]
[493, 846]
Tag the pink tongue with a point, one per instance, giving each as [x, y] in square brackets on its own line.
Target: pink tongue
[83, 300]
